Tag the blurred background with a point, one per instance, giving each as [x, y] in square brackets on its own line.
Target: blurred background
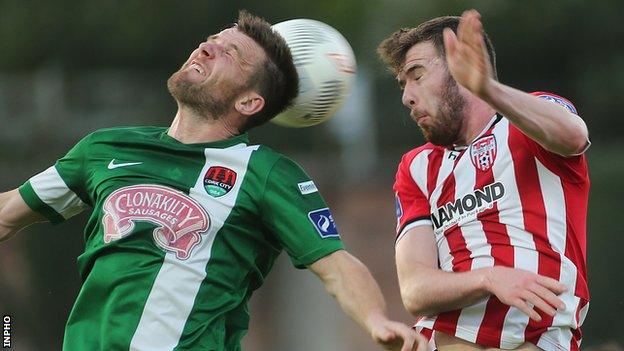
[70, 67]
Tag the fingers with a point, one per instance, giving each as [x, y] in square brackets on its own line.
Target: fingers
[552, 284]
[421, 343]
[526, 309]
[539, 303]
[548, 296]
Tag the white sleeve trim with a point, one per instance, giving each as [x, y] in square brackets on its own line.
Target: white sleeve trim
[54, 192]
[412, 225]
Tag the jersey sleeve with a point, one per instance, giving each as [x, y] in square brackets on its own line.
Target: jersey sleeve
[56, 193]
[294, 211]
[412, 205]
[573, 168]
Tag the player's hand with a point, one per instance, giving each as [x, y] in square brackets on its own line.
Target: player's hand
[396, 336]
[525, 290]
[467, 56]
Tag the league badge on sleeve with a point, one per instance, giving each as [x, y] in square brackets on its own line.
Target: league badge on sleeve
[558, 100]
[324, 223]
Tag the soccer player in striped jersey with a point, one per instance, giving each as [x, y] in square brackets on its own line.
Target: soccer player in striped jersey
[188, 220]
[490, 246]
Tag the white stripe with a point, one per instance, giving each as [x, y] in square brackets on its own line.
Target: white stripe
[470, 320]
[54, 192]
[444, 256]
[556, 228]
[554, 203]
[419, 169]
[471, 316]
[511, 215]
[174, 291]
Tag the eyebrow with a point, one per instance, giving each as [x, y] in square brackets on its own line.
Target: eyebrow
[230, 46]
[402, 74]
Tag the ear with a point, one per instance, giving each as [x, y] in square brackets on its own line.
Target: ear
[249, 103]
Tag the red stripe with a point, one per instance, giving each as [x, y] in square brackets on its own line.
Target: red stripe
[534, 213]
[427, 333]
[503, 253]
[576, 195]
[447, 322]
[435, 161]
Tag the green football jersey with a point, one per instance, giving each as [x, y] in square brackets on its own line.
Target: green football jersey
[179, 237]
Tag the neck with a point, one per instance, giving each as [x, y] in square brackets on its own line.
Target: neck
[189, 128]
[477, 115]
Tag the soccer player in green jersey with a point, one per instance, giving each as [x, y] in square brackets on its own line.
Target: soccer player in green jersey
[187, 221]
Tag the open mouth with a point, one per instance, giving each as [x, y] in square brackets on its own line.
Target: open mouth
[197, 67]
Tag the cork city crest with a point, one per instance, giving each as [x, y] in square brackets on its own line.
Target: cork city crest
[180, 221]
[483, 152]
[218, 181]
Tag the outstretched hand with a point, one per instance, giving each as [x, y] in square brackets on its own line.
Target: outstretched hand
[397, 336]
[467, 56]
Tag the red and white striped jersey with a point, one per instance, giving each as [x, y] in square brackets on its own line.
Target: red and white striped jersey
[503, 200]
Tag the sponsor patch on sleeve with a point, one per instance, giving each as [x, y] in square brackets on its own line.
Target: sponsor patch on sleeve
[558, 100]
[324, 223]
[307, 187]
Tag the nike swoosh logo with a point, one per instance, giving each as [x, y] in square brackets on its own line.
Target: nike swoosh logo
[113, 165]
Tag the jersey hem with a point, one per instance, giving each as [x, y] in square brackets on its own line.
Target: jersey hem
[311, 257]
[35, 203]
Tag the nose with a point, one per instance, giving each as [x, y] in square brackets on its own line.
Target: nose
[409, 99]
[209, 50]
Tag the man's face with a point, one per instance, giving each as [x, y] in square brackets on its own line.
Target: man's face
[216, 72]
[432, 95]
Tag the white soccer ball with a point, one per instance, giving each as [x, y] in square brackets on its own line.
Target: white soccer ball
[326, 67]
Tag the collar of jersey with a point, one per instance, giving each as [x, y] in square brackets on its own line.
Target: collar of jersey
[219, 144]
[495, 119]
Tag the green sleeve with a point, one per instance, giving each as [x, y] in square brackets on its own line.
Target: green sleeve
[58, 192]
[297, 215]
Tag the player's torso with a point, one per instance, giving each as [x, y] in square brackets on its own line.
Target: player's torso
[495, 203]
[174, 244]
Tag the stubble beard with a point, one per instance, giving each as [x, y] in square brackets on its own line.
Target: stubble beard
[200, 98]
[446, 126]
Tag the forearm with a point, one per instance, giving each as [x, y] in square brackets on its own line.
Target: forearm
[15, 214]
[355, 289]
[551, 125]
[431, 291]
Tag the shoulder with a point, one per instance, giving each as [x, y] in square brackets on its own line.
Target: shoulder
[422, 151]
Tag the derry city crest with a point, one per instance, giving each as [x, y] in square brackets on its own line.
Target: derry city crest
[180, 221]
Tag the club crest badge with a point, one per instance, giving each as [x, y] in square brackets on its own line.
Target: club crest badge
[218, 181]
[483, 152]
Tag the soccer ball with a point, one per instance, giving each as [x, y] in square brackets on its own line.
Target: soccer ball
[326, 67]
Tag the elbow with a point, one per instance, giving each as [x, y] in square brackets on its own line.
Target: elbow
[415, 304]
[575, 141]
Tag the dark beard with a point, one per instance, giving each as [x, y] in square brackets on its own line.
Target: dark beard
[447, 124]
[199, 98]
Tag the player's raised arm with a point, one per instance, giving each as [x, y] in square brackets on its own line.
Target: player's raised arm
[15, 214]
[555, 127]
[427, 290]
[350, 282]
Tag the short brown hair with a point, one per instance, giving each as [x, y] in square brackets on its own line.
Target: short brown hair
[276, 79]
[394, 48]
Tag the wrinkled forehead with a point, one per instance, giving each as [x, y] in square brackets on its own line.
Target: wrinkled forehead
[423, 54]
[242, 41]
